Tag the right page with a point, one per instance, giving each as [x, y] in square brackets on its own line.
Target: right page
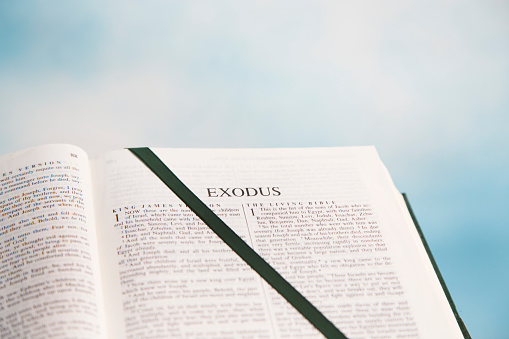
[329, 220]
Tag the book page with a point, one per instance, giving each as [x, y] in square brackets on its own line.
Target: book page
[49, 283]
[328, 220]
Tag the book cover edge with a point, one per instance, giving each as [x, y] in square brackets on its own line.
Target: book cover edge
[461, 324]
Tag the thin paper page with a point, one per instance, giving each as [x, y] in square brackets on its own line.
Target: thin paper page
[49, 272]
[326, 219]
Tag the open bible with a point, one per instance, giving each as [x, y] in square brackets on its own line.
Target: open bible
[101, 248]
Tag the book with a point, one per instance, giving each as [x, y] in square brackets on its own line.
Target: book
[101, 248]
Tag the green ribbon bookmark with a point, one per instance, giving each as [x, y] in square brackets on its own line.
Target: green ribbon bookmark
[238, 245]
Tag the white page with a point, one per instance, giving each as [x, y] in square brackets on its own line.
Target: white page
[49, 271]
[329, 220]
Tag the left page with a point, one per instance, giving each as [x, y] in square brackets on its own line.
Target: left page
[49, 268]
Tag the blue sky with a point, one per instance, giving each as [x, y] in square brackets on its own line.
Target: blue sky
[426, 82]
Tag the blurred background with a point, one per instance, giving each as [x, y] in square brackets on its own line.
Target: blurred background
[426, 82]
